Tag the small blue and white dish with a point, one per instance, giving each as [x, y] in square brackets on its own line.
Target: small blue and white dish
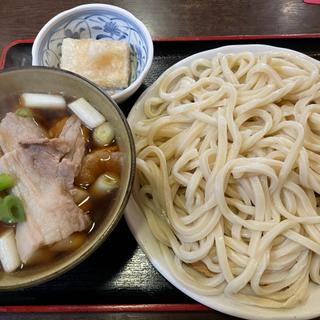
[97, 21]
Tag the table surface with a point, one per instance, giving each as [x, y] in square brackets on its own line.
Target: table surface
[167, 18]
[170, 19]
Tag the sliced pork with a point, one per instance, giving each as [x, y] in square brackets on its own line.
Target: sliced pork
[44, 170]
[13, 129]
[70, 134]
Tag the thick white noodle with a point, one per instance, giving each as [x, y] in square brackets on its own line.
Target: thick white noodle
[228, 175]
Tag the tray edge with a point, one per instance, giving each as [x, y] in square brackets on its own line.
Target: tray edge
[11, 44]
[134, 308]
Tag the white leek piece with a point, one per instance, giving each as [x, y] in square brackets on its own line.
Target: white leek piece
[9, 256]
[103, 135]
[105, 184]
[87, 113]
[43, 101]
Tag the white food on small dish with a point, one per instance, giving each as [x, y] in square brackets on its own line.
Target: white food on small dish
[219, 211]
[104, 62]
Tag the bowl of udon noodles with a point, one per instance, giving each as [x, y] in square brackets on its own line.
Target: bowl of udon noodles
[226, 197]
[66, 169]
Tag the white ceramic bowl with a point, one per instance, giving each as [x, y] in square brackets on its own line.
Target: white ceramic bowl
[150, 245]
[97, 21]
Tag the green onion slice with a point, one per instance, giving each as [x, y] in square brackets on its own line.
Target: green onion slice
[24, 112]
[6, 181]
[11, 210]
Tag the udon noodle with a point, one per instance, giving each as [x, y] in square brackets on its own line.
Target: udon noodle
[228, 175]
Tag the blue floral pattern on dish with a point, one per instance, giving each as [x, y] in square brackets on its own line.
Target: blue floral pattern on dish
[107, 26]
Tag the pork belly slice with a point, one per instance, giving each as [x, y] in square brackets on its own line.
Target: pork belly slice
[17, 132]
[50, 158]
[70, 134]
[13, 129]
[44, 170]
[68, 149]
[50, 210]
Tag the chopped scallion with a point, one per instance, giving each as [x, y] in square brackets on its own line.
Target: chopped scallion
[6, 181]
[11, 210]
[24, 112]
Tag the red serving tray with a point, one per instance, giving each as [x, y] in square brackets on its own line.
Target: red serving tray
[106, 308]
[136, 308]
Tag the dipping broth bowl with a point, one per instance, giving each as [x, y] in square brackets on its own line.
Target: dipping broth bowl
[45, 80]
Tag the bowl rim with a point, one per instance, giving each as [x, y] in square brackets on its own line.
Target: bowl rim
[67, 266]
[100, 6]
